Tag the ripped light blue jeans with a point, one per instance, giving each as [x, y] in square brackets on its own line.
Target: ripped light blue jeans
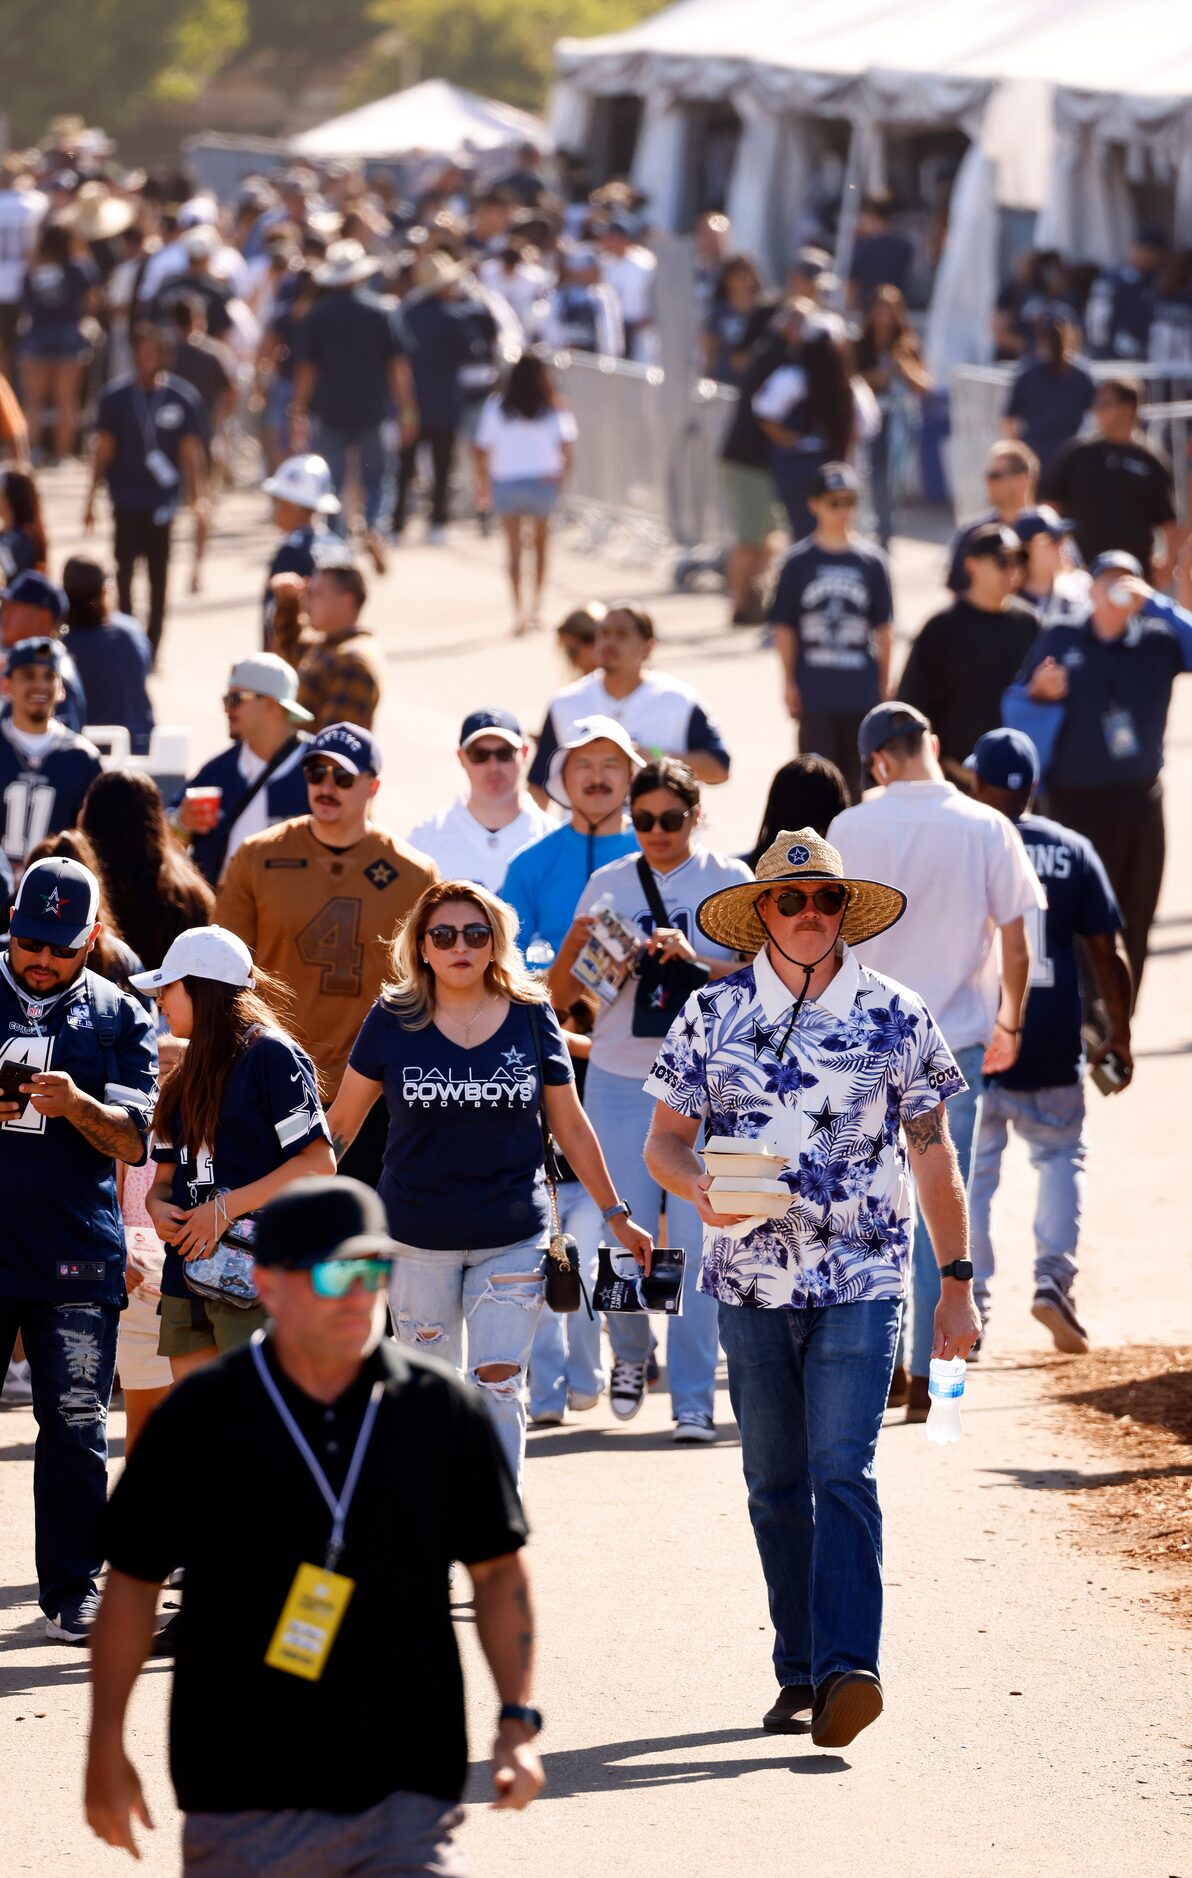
[496, 1292]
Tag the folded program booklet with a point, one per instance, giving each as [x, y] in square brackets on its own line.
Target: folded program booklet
[620, 1285]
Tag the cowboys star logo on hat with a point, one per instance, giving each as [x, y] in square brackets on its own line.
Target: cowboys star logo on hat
[798, 856]
[52, 903]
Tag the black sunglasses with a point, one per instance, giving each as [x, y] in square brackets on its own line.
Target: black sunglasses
[495, 753]
[475, 936]
[670, 821]
[839, 502]
[35, 948]
[231, 699]
[315, 772]
[790, 902]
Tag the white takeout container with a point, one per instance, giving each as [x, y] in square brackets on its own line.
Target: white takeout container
[740, 1197]
[725, 1154]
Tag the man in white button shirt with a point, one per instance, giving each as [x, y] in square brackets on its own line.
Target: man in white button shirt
[476, 837]
[968, 881]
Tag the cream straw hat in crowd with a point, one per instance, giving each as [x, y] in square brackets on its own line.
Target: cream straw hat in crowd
[798, 855]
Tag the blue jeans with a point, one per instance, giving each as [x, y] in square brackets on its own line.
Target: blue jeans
[808, 1388]
[621, 1113]
[565, 1359]
[1051, 1122]
[71, 1351]
[334, 444]
[497, 1292]
[925, 1271]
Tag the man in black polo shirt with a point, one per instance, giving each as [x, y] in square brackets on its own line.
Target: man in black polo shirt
[965, 657]
[315, 1486]
[1115, 486]
[1113, 675]
[149, 447]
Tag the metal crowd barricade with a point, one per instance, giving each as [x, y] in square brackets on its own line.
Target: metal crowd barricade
[978, 403]
[617, 492]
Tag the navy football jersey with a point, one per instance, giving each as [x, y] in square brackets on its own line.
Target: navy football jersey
[300, 552]
[41, 795]
[63, 1238]
[1080, 903]
[269, 1113]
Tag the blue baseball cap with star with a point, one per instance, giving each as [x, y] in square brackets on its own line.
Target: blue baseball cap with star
[500, 724]
[57, 904]
[349, 745]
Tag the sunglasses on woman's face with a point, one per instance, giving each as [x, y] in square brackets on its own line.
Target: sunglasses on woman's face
[315, 772]
[790, 902]
[493, 752]
[475, 936]
[670, 821]
[334, 1278]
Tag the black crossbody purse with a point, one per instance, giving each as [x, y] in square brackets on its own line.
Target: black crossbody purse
[565, 1286]
[663, 986]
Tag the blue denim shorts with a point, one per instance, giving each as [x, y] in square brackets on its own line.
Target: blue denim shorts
[526, 495]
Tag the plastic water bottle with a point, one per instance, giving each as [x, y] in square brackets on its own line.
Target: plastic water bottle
[945, 1386]
[540, 955]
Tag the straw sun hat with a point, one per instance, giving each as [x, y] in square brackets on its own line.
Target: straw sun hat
[798, 855]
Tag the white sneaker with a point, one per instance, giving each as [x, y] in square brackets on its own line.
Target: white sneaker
[582, 1402]
[692, 1431]
[548, 1418]
[18, 1384]
[627, 1390]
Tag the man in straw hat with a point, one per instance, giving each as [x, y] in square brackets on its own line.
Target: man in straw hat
[841, 1072]
[352, 362]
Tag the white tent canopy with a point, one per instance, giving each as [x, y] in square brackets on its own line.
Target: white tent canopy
[434, 116]
[1043, 89]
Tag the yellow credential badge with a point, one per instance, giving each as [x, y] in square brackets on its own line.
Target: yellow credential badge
[310, 1619]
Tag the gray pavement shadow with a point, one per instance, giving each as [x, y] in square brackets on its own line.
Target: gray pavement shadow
[1062, 1480]
[572, 1440]
[11, 1595]
[17, 1451]
[598, 1769]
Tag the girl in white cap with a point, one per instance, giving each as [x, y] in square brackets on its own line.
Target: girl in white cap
[237, 1120]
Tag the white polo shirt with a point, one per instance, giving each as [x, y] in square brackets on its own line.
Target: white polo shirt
[661, 713]
[465, 850]
[965, 872]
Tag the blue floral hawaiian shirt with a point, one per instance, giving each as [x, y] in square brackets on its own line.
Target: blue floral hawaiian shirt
[863, 1058]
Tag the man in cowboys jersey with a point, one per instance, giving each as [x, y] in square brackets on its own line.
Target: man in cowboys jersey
[45, 769]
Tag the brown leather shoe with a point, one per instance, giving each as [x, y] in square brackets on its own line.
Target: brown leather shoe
[844, 1704]
[899, 1383]
[791, 1713]
[918, 1401]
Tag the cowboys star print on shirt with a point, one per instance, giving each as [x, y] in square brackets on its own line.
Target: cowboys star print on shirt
[861, 1060]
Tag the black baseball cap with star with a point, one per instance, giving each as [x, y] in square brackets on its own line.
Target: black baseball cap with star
[57, 904]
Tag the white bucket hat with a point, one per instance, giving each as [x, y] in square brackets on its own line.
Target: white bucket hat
[201, 952]
[587, 730]
[273, 678]
[346, 263]
[306, 482]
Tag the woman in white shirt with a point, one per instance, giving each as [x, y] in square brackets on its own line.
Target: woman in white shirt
[523, 453]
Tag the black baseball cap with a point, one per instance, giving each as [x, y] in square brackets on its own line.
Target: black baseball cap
[34, 652]
[1042, 521]
[327, 1216]
[990, 540]
[500, 724]
[886, 721]
[350, 745]
[1117, 561]
[834, 478]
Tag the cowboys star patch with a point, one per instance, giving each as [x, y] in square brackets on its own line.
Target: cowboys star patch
[52, 903]
[380, 874]
[798, 856]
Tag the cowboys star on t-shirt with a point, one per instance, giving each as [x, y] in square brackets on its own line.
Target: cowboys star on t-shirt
[43, 779]
[63, 1237]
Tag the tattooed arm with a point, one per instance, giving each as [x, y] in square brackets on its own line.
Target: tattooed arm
[345, 1117]
[940, 1192]
[109, 1128]
[505, 1626]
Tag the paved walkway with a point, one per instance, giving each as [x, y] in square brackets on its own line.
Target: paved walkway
[1037, 1718]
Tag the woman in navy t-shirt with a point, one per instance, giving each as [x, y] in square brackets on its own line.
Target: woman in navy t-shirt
[60, 286]
[460, 1044]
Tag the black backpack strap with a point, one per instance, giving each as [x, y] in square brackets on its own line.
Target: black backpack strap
[654, 900]
[105, 1013]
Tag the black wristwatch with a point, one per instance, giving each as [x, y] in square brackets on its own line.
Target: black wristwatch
[531, 1718]
[959, 1268]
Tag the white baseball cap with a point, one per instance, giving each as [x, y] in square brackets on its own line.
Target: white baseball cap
[201, 952]
[273, 678]
[587, 730]
[306, 482]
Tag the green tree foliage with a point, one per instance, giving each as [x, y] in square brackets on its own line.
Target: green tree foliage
[500, 48]
[109, 60]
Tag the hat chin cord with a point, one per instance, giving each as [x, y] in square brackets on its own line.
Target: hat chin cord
[807, 971]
